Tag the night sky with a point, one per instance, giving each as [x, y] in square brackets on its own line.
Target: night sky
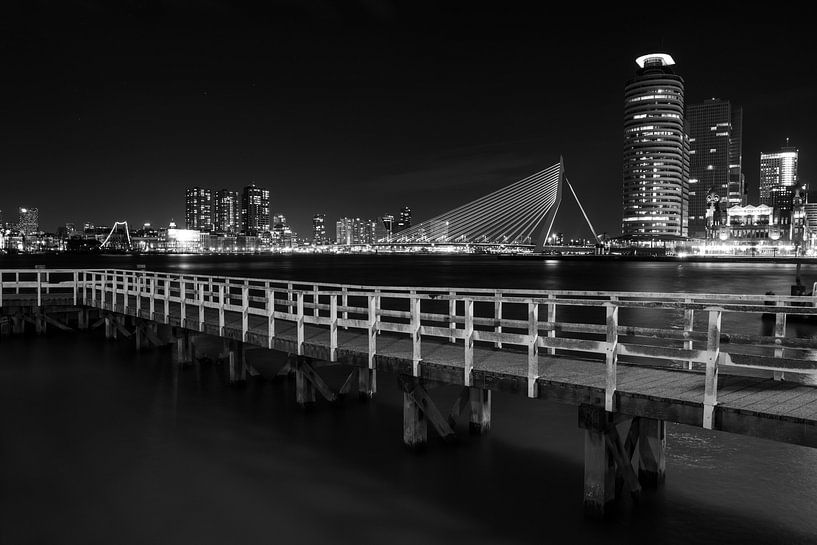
[109, 110]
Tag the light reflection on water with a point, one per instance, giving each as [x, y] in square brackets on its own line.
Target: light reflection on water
[120, 447]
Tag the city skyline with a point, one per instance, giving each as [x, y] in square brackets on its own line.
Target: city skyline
[451, 114]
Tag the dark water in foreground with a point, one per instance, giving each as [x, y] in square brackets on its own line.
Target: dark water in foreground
[99, 444]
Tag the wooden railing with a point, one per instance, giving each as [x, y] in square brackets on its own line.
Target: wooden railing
[693, 331]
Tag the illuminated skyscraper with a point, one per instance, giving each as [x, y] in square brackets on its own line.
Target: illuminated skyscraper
[655, 181]
[228, 211]
[715, 160]
[344, 231]
[255, 210]
[28, 221]
[198, 209]
[388, 225]
[319, 230]
[778, 181]
[404, 222]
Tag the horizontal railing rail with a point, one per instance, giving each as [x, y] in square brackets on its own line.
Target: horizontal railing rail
[690, 331]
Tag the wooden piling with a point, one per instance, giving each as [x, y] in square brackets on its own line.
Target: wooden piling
[415, 428]
[652, 447]
[367, 382]
[304, 389]
[236, 362]
[599, 466]
[480, 401]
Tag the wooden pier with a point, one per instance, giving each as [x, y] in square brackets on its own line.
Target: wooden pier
[629, 361]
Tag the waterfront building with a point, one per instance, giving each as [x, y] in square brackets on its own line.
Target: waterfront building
[388, 226]
[404, 221]
[28, 220]
[255, 207]
[282, 235]
[655, 184]
[180, 240]
[319, 230]
[228, 212]
[344, 229]
[715, 159]
[751, 222]
[198, 209]
[778, 181]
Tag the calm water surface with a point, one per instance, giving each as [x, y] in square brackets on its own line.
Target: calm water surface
[99, 444]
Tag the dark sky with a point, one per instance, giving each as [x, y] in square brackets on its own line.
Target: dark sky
[109, 110]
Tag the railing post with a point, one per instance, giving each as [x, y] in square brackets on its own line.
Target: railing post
[779, 332]
[103, 289]
[76, 288]
[689, 325]
[221, 309]
[333, 327]
[152, 296]
[416, 351]
[245, 310]
[270, 315]
[713, 344]
[167, 299]
[345, 303]
[125, 276]
[452, 315]
[182, 299]
[290, 297]
[374, 303]
[39, 288]
[611, 355]
[498, 318]
[552, 319]
[533, 348]
[468, 309]
[138, 278]
[315, 300]
[201, 306]
[84, 287]
[1, 288]
[300, 323]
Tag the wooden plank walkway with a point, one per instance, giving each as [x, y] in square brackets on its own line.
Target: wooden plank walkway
[754, 405]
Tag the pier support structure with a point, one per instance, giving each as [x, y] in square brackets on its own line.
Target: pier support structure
[366, 382]
[610, 443]
[182, 347]
[480, 415]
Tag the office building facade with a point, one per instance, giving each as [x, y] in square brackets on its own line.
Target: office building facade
[198, 209]
[28, 220]
[255, 206]
[655, 179]
[228, 212]
[715, 158]
[779, 183]
[319, 230]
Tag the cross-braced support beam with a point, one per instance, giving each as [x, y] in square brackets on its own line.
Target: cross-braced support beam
[609, 456]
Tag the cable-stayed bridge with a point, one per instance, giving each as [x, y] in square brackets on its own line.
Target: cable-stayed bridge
[521, 214]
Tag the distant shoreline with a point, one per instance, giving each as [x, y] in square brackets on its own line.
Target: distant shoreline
[673, 259]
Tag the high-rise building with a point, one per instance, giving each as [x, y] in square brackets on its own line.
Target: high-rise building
[255, 210]
[319, 230]
[28, 220]
[198, 209]
[344, 231]
[404, 222]
[715, 158]
[388, 225]
[778, 181]
[655, 181]
[228, 212]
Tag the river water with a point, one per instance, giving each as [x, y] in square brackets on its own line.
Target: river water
[99, 444]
